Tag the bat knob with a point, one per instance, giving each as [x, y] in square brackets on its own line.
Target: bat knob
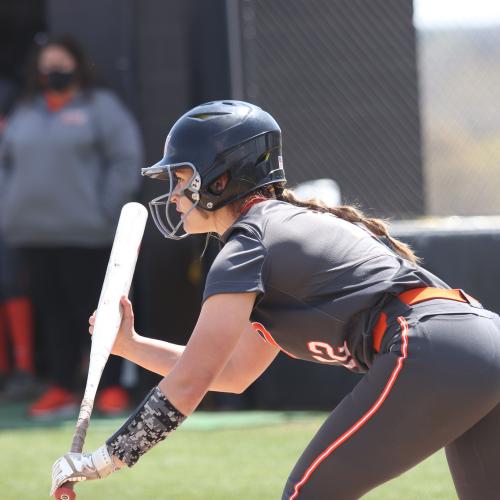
[65, 493]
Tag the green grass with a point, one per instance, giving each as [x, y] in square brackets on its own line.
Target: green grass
[242, 456]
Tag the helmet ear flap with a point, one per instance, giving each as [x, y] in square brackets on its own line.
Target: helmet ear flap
[218, 186]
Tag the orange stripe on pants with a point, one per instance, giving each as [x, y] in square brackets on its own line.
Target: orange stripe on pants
[367, 416]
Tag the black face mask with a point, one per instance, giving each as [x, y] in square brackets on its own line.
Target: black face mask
[59, 80]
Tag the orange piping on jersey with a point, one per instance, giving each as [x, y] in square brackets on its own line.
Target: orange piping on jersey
[362, 421]
[259, 327]
[251, 202]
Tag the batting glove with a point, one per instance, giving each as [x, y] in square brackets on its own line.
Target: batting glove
[82, 466]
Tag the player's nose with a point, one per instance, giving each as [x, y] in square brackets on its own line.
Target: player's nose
[174, 197]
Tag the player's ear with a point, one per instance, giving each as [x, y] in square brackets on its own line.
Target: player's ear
[218, 186]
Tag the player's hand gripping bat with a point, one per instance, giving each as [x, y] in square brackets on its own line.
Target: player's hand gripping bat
[117, 282]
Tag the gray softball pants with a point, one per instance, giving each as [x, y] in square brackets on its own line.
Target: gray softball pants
[435, 384]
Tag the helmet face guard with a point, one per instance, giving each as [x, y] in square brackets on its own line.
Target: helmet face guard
[165, 216]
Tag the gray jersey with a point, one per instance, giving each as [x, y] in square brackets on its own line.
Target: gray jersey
[321, 281]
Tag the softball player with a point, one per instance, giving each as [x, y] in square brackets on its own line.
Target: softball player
[319, 283]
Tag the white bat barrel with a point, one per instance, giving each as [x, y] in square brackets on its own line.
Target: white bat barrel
[117, 282]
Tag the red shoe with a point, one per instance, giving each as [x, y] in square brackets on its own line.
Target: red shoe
[55, 402]
[112, 400]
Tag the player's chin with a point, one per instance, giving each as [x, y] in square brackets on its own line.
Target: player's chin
[193, 230]
[195, 225]
[189, 228]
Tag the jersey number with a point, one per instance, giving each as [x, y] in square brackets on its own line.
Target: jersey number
[326, 353]
[322, 352]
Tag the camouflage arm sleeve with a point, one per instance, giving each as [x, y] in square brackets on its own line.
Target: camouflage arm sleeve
[154, 419]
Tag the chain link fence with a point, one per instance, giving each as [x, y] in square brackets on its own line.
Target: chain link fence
[459, 73]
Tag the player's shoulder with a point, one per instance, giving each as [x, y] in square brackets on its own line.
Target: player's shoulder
[251, 223]
[241, 236]
[242, 250]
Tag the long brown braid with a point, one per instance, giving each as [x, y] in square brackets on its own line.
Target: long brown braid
[349, 213]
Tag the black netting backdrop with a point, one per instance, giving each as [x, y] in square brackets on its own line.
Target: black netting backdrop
[340, 77]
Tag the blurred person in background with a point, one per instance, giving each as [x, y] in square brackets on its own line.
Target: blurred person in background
[17, 380]
[68, 163]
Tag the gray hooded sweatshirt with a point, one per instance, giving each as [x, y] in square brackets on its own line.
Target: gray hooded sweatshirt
[65, 175]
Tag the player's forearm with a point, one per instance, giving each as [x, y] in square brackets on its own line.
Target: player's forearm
[155, 355]
[160, 357]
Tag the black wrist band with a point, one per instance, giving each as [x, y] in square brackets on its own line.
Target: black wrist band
[153, 420]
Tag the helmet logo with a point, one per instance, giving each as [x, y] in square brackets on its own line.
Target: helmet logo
[196, 182]
[210, 204]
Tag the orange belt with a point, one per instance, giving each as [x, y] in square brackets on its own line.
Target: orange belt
[415, 296]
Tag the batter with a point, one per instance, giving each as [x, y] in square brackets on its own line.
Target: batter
[319, 283]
